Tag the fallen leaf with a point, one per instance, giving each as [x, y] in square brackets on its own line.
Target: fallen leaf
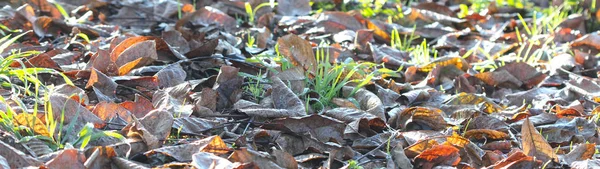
[286, 103]
[298, 51]
[438, 155]
[534, 143]
[322, 128]
[69, 158]
[293, 7]
[16, 158]
[184, 152]
[33, 122]
[210, 161]
[485, 134]
[170, 76]
[104, 87]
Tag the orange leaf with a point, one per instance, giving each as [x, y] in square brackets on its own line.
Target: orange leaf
[438, 155]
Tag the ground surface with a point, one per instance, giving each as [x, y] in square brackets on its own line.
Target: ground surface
[299, 84]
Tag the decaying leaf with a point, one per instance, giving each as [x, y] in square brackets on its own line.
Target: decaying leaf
[286, 103]
[299, 52]
[184, 152]
[534, 143]
[438, 155]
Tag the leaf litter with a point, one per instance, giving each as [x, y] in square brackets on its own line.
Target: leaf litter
[299, 84]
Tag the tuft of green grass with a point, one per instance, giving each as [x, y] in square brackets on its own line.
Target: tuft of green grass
[252, 12]
[28, 76]
[331, 77]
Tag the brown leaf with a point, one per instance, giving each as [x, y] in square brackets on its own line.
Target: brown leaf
[33, 122]
[174, 99]
[45, 26]
[102, 158]
[438, 155]
[208, 16]
[416, 118]
[293, 7]
[320, 127]
[488, 106]
[109, 110]
[524, 72]
[459, 62]
[261, 160]
[42, 60]
[286, 103]
[192, 125]
[337, 21]
[16, 158]
[534, 143]
[152, 128]
[368, 101]
[104, 87]
[68, 158]
[63, 105]
[104, 64]
[228, 86]
[485, 134]
[184, 152]
[140, 107]
[176, 40]
[517, 160]
[298, 51]
[170, 76]
[580, 152]
[138, 55]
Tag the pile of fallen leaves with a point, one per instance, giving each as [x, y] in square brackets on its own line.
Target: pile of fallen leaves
[179, 84]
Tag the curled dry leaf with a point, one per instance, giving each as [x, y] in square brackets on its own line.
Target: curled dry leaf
[152, 128]
[368, 101]
[534, 143]
[420, 118]
[174, 99]
[104, 87]
[228, 86]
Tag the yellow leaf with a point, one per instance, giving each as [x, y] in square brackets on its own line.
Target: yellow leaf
[31, 121]
[459, 62]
